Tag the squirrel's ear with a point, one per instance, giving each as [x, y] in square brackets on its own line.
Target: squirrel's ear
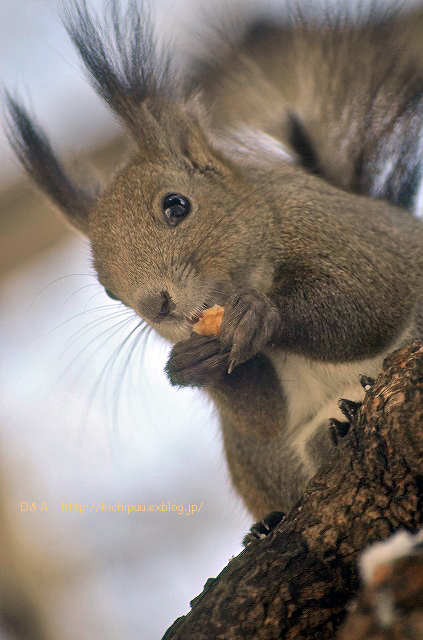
[201, 154]
[37, 156]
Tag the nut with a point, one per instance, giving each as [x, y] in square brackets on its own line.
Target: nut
[210, 322]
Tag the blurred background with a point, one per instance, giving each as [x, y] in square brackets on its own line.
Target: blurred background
[87, 417]
[84, 420]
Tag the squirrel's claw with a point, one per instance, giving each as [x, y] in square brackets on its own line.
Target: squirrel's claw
[232, 366]
[366, 382]
[264, 527]
[196, 362]
[250, 322]
[349, 408]
[338, 429]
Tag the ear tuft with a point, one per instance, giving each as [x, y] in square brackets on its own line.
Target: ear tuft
[36, 156]
[120, 55]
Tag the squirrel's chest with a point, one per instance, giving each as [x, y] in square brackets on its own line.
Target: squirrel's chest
[311, 391]
[275, 426]
[308, 385]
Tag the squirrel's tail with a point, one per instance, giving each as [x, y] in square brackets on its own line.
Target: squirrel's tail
[344, 92]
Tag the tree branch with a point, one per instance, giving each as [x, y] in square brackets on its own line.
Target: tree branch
[296, 582]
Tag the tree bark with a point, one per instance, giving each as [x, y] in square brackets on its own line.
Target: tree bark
[390, 607]
[297, 581]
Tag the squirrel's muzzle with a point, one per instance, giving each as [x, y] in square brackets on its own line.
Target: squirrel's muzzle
[156, 306]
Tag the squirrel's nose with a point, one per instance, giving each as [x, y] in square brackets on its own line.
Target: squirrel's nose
[156, 306]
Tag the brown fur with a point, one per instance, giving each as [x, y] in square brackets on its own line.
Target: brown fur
[319, 281]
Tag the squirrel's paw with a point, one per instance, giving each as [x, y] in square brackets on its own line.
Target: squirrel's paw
[338, 429]
[197, 362]
[250, 322]
[264, 527]
[349, 408]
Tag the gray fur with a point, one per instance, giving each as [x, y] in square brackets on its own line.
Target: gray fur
[319, 281]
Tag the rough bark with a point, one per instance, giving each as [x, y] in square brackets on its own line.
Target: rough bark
[297, 581]
[391, 606]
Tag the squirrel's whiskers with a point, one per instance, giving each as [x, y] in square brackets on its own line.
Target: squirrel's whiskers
[279, 177]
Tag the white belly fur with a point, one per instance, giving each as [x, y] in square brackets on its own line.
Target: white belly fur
[312, 390]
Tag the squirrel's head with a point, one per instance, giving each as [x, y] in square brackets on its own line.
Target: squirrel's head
[168, 234]
[177, 229]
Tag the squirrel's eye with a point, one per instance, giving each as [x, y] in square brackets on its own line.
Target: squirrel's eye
[111, 295]
[175, 208]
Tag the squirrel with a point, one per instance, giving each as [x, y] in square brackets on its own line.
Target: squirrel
[281, 177]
